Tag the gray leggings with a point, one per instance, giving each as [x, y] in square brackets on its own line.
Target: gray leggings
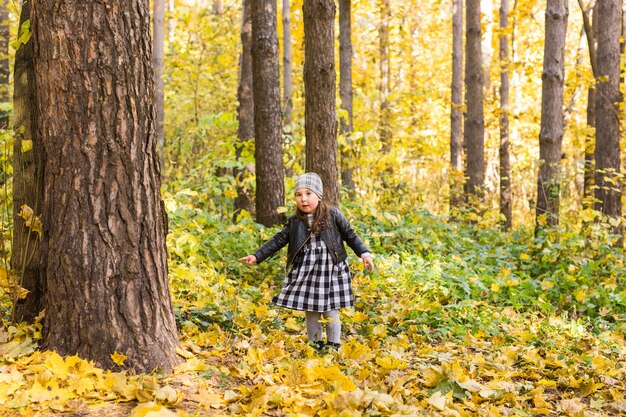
[314, 328]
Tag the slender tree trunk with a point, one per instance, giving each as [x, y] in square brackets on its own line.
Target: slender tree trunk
[158, 54]
[171, 21]
[551, 131]
[245, 112]
[345, 92]
[607, 151]
[456, 111]
[104, 225]
[474, 134]
[385, 75]
[270, 171]
[27, 180]
[590, 21]
[320, 123]
[506, 206]
[287, 76]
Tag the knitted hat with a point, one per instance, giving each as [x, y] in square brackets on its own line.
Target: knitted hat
[312, 181]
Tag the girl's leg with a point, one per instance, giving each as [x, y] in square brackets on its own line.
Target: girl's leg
[333, 327]
[313, 328]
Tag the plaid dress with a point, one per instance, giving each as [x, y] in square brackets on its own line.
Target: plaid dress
[315, 283]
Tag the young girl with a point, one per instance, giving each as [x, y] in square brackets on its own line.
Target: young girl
[318, 277]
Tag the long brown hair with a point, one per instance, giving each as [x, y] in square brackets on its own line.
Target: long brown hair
[321, 217]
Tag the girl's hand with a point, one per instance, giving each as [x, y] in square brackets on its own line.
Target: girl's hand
[368, 263]
[249, 260]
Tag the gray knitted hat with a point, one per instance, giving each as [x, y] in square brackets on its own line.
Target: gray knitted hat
[312, 181]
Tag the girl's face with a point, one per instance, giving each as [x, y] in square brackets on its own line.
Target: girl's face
[306, 200]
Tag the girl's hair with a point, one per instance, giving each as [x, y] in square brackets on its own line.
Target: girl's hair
[321, 217]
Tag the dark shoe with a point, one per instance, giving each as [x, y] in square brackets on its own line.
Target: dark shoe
[317, 345]
[333, 345]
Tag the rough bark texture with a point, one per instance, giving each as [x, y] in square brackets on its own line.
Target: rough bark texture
[27, 181]
[456, 110]
[551, 131]
[474, 134]
[506, 206]
[287, 76]
[345, 92]
[270, 171]
[607, 152]
[320, 123]
[158, 20]
[104, 226]
[245, 112]
[384, 128]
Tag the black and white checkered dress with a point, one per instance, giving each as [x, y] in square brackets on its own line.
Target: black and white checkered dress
[315, 283]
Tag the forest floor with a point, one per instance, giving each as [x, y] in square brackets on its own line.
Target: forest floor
[455, 322]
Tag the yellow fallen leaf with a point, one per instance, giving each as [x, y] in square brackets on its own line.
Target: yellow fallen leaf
[167, 394]
[437, 400]
[151, 409]
[118, 358]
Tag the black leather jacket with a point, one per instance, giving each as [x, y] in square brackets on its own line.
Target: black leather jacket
[296, 233]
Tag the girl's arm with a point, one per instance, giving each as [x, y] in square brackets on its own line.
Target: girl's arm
[273, 245]
[349, 235]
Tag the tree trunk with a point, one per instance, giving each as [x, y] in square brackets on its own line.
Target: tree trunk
[320, 120]
[157, 61]
[506, 206]
[474, 134]
[103, 249]
[456, 111]
[590, 21]
[551, 131]
[287, 77]
[171, 21]
[27, 180]
[607, 152]
[345, 92]
[245, 112]
[384, 129]
[270, 171]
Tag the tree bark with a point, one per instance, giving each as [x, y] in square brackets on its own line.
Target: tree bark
[345, 92]
[456, 111]
[607, 151]
[245, 112]
[27, 180]
[320, 120]
[270, 171]
[384, 129]
[474, 134]
[103, 248]
[158, 54]
[551, 131]
[287, 76]
[506, 206]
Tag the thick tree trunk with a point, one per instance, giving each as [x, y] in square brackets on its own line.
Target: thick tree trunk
[245, 112]
[287, 77]
[158, 53]
[607, 152]
[474, 134]
[104, 226]
[270, 171]
[320, 123]
[551, 131]
[456, 110]
[506, 206]
[384, 129]
[27, 180]
[345, 92]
